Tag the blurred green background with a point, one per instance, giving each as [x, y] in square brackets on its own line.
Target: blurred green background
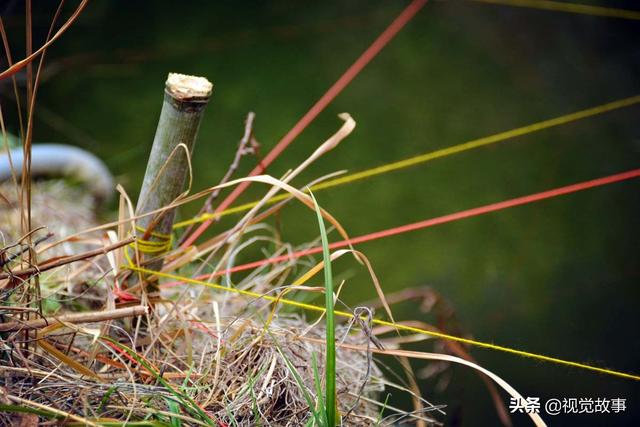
[559, 277]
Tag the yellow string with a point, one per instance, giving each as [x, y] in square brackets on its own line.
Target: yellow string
[154, 233]
[426, 157]
[164, 244]
[557, 6]
[398, 326]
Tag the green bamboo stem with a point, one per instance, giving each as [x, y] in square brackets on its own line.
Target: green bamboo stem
[185, 99]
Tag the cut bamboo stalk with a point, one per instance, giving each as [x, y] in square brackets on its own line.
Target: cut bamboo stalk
[185, 99]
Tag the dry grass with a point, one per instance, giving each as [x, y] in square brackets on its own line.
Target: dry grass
[211, 348]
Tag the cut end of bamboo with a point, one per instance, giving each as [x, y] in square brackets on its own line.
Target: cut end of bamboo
[182, 86]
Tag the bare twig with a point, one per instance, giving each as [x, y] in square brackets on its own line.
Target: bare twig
[242, 150]
[75, 318]
[246, 146]
[7, 260]
[67, 260]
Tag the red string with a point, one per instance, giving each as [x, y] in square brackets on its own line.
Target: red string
[435, 221]
[344, 80]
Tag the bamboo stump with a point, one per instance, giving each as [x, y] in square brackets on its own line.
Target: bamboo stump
[185, 99]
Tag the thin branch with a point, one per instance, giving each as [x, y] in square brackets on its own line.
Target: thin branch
[67, 260]
[243, 150]
[7, 260]
[246, 146]
[75, 318]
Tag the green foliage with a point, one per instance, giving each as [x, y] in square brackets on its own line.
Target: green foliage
[330, 362]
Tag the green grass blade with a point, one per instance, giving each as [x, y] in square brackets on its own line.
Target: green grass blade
[299, 382]
[230, 416]
[316, 379]
[105, 398]
[297, 378]
[174, 407]
[27, 410]
[188, 403]
[384, 407]
[254, 406]
[330, 364]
